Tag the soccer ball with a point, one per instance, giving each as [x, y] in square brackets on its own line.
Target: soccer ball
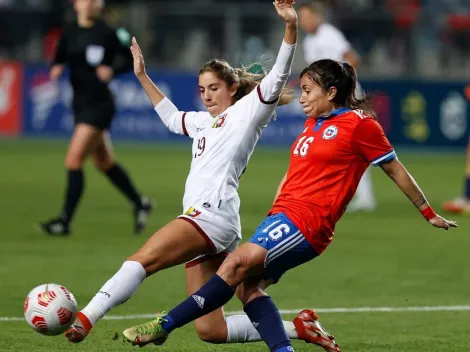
[50, 309]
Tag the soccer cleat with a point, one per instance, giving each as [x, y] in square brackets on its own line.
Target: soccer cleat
[457, 206]
[151, 332]
[79, 330]
[54, 227]
[141, 215]
[310, 330]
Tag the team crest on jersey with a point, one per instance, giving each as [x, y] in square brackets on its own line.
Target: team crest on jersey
[192, 212]
[330, 132]
[220, 121]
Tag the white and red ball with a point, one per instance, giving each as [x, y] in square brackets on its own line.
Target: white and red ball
[50, 309]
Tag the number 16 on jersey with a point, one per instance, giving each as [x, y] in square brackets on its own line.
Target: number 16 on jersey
[302, 146]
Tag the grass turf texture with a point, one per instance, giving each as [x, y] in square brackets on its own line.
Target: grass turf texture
[390, 257]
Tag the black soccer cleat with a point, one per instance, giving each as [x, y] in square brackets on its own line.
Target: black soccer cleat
[141, 215]
[54, 227]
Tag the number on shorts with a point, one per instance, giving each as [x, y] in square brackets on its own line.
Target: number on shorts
[277, 232]
[201, 146]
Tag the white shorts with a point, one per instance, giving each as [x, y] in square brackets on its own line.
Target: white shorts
[220, 228]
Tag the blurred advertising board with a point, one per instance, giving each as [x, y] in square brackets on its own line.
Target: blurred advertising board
[11, 105]
[413, 113]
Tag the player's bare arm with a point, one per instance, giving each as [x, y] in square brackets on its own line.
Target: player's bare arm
[398, 173]
[152, 91]
[287, 13]
[56, 71]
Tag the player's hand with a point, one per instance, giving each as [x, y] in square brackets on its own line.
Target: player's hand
[56, 72]
[285, 10]
[139, 64]
[104, 73]
[441, 223]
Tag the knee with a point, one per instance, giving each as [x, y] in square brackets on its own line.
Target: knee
[103, 164]
[211, 333]
[74, 161]
[233, 269]
[245, 293]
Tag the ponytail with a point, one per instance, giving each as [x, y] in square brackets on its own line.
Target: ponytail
[250, 76]
[247, 78]
[358, 99]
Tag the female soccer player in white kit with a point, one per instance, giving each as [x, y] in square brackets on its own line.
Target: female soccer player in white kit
[239, 105]
[324, 41]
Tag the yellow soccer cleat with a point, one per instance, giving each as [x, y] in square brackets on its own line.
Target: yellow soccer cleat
[151, 332]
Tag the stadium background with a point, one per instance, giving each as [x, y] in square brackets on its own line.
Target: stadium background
[415, 59]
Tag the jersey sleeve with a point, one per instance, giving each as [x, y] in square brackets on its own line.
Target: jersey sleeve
[117, 54]
[60, 56]
[270, 88]
[370, 142]
[262, 101]
[180, 122]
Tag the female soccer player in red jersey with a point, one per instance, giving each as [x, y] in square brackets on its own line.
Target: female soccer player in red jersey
[340, 139]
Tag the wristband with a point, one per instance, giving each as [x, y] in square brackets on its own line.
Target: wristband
[428, 213]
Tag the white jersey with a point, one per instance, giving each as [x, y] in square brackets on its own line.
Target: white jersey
[222, 145]
[326, 43]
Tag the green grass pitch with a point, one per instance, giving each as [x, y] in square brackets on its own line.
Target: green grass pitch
[390, 257]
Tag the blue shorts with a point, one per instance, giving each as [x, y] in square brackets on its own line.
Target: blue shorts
[286, 246]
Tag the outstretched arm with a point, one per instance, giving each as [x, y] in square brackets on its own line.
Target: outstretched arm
[177, 121]
[397, 172]
[287, 13]
[152, 91]
[272, 85]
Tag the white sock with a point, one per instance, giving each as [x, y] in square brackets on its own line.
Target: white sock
[117, 290]
[240, 329]
[365, 193]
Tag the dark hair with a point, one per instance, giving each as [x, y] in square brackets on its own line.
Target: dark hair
[247, 78]
[329, 73]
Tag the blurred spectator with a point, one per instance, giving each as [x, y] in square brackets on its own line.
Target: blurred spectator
[393, 37]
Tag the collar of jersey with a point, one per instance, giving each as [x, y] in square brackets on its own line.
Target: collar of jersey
[332, 114]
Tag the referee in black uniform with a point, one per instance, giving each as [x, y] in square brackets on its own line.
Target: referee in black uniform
[94, 54]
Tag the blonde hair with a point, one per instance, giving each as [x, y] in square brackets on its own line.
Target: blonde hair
[244, 77]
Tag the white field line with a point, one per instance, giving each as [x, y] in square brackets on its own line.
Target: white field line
[294, 311]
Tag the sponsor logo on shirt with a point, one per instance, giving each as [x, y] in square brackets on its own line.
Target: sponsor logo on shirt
[330, 132]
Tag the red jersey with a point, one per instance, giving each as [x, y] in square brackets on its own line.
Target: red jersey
[326, 164]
